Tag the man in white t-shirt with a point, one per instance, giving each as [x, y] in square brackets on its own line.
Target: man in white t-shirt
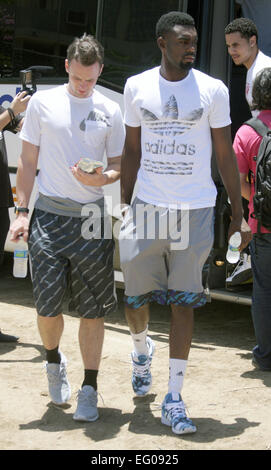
[67, 241]
[242, 43]
[173, 113]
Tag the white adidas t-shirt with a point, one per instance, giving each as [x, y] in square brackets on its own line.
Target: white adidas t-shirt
[261, 61]
[175, 120]
[66, 129]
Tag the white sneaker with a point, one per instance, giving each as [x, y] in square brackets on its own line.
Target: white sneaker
[242, 271]
[86, 405]
[174, 415]
[59, 387]
[141, 376]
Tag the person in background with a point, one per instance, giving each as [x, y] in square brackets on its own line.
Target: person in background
[246, 145]
[242, 42]
[10, 120]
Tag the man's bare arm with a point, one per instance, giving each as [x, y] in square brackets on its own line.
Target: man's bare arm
[130, 163]
[27, 167]
[18, 105]
[228, 169]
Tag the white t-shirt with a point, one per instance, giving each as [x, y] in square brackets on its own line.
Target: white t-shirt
[261, 61]
[175, 120]
[66, 129]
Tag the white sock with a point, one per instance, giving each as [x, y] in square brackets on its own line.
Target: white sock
[140, 343]
[177, 368]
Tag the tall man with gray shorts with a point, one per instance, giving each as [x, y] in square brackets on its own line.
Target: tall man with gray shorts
[173, 113]
[62, 125]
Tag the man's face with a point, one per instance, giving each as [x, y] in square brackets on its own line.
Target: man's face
[241, 49]
[180, 47]
[82, 78]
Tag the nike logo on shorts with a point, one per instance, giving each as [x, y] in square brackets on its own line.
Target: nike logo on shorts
[108, 305]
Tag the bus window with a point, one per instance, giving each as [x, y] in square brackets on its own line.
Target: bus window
[128, 36]
[37, 32]
[7, 20]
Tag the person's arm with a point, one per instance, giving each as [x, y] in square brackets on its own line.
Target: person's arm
[130, 163]
[100, 178]
[27, 167]
[11, 120]
[228, 169]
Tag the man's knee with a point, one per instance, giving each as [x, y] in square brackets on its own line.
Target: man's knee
[92, 323]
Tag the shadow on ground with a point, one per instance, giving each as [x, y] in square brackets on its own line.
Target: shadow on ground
[217, 323]
[140, 421]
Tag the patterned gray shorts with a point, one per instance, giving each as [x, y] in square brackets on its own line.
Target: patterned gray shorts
[154, 264]
[62, 262]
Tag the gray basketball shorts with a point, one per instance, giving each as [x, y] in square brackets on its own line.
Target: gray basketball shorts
[63, 262]
[162, 253]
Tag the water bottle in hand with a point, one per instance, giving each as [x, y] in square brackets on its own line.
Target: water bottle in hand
[20, 259]
[233, 253]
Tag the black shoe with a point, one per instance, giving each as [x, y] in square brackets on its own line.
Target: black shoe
[8, 338]
[257, 365]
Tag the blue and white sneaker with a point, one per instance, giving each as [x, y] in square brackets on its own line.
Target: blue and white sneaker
[141, 376]
[174, 415]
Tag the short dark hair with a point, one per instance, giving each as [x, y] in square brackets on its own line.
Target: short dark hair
[244, 26]
[86, 50]
[261, 91]
[167, 22]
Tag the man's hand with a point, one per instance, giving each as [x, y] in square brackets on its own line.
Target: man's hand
[19, 227]
[246, 234]
[98, 178]
[245, 231]
[124, 209]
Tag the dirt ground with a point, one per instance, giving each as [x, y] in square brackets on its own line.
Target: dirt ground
[228, 399]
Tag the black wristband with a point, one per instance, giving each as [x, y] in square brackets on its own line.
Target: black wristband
[21, 209]
[12, 116]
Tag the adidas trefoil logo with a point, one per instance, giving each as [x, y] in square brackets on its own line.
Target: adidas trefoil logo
[170, 124]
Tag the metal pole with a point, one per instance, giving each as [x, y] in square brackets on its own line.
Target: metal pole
[229, 60]
[183, 4]
[99, 18]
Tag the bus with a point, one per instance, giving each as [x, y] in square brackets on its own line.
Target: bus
[37, 33]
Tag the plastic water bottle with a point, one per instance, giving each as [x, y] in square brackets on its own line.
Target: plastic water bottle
[20, 259]
[233, 253]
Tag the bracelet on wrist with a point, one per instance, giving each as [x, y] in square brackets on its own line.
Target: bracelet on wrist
[12, 116]
[17, 210]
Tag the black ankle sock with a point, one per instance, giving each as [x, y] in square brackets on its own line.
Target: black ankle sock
[53, 356]
[90, 378]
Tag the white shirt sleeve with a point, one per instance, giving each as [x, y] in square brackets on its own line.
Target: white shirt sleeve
[219, 115]
[31, 130]
[115, 139]
[131, 117]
